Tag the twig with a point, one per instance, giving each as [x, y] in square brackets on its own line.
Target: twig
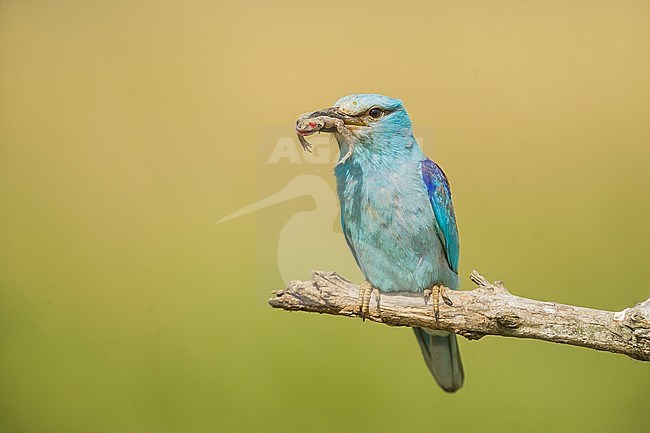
[487, 310]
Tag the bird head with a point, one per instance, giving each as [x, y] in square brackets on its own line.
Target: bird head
[377, 125]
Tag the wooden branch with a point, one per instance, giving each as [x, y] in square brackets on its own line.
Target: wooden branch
[487, 310]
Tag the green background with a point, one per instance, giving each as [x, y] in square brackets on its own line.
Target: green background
[127, 128]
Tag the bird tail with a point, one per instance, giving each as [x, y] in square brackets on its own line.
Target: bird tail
[440, 351]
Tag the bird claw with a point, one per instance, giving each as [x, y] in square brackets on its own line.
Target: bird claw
[445, 297]
[434, 294]
[365, 292]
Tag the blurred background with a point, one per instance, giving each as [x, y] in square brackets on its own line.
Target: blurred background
[128, 128]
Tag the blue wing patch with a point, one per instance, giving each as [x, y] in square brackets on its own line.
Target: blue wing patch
[440, 198]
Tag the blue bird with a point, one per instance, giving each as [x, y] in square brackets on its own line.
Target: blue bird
[396, 212]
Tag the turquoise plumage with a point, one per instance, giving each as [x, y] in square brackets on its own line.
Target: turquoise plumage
[397, 214]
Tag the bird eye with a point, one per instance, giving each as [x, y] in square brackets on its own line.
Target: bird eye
[375, 112]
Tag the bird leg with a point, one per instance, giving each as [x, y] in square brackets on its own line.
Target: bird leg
[434, 294]
[365, 292]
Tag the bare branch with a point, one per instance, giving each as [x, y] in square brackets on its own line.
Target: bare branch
[487, 310]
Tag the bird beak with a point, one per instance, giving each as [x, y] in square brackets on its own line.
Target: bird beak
[335, 113]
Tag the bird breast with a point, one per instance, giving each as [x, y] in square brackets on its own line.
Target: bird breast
[390, 226]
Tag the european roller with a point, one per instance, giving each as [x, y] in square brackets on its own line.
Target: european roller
[396, 212]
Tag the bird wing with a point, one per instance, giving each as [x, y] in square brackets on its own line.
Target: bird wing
[440, 198]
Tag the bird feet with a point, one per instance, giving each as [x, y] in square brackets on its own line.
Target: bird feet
[434, 294]
[365, 292]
